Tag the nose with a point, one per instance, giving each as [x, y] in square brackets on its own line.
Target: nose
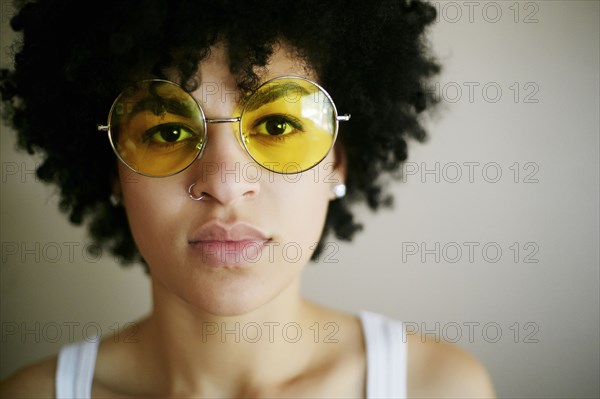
[224, 172]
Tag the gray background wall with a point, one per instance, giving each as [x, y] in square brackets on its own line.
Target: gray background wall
[516, 151]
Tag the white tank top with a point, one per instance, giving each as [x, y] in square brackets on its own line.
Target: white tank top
[385, 346]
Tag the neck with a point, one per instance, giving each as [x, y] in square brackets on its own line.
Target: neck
[198, 353]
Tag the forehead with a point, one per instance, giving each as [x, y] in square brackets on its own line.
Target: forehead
[214, 73]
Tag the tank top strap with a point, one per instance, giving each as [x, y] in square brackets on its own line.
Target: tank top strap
[75, 370]
[386, 349]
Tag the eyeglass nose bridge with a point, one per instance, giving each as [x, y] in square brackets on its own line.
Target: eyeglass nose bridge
[223, 120]
[237, 119]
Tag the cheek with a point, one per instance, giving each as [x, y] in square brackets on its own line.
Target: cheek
[304, 200]
[152, 206]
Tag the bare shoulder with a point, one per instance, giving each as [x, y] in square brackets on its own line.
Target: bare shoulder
[34, 381]
[438, 369]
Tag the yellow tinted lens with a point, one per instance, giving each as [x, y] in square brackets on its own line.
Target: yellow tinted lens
[156, 128]
[289, 125]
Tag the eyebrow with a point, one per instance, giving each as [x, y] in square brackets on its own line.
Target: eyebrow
[274, 93]
[159, 105]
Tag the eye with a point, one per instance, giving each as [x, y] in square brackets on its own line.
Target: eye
[277, 125]
[169, 133]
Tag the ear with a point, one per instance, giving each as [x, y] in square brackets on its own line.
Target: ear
[340, 163]
[116, 186]
[339, 167]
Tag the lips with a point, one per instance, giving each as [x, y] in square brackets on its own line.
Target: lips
[217, 231]
[221, 244]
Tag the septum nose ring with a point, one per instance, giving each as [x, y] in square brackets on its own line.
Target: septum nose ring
[192, 196]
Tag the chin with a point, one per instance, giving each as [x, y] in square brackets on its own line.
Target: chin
[224, 291]
[234, 297]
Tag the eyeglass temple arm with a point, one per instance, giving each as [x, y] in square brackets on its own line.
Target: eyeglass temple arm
[342, 118]
[232, 120]
[104, 128]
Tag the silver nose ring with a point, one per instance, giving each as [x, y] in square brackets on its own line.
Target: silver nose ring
[192, 196]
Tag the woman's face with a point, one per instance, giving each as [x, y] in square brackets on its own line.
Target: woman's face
[248, 239]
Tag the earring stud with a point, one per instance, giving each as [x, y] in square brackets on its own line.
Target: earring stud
[115, 199]
[339, 190]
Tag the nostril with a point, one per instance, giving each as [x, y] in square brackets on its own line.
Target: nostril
[250, 194]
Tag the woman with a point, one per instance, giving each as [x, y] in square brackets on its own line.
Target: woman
[237, 133]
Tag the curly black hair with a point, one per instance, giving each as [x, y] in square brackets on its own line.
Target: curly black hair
[75, 57]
